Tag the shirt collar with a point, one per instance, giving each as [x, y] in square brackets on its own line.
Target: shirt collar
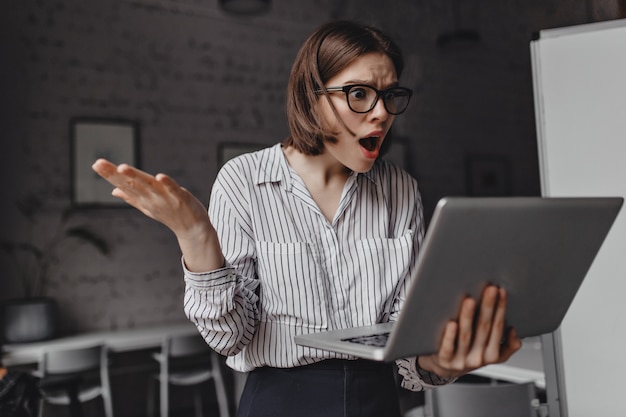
[273, 167]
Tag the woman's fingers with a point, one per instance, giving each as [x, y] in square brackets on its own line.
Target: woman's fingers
[170, 186]
[138, 188]
[512, 345]
[104, 168]
[160, 198]
[483, 326]
[477, 338]
[447, 349]
[123, 176]
[133, 180]
[466, 328]
[498, 329]
[109, 172]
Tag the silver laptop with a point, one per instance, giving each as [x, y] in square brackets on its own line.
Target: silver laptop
[538, 249]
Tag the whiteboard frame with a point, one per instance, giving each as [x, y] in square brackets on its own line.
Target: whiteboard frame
[554, 363]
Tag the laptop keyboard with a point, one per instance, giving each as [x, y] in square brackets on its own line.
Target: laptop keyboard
[378, 340]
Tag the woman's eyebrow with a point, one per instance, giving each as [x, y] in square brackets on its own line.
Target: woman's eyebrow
[369, 82]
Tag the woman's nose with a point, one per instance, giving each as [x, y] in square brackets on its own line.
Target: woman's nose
[379, 111]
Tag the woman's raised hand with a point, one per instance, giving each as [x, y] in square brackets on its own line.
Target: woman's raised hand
[162, 199]
[479, 337]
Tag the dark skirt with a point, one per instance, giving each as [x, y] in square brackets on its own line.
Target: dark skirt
[331, 388]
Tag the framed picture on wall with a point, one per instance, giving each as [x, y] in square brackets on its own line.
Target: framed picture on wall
[113, 139]
[228, 150]
[488, 176]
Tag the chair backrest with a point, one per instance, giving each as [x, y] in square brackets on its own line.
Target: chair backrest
[178, 346]
[89, 359]
[73, 360]
[481, 400]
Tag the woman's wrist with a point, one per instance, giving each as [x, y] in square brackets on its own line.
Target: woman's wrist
[201, 249]
[429, 376]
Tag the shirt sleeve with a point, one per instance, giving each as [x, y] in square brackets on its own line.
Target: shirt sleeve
[224, 303]
[416, 379]
[223, 306]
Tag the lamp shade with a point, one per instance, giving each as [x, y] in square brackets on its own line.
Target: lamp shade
[245, 6]
[29, 320]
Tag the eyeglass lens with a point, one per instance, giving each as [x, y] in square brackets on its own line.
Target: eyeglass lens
[363, 98]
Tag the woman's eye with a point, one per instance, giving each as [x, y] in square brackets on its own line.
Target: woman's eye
[358, 93]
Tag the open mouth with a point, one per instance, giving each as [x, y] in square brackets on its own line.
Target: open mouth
[370, 143]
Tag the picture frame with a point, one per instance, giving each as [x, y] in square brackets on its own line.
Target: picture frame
[114, 139]
[488, 176]
[229, 150]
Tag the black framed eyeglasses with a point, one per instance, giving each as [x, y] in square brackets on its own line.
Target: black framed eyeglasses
[362, 98]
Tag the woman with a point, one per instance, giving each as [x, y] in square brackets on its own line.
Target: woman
[315, 233]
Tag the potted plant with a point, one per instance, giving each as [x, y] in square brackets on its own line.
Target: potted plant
[33, 316]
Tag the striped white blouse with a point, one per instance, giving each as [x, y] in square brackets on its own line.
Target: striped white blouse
[291, 271]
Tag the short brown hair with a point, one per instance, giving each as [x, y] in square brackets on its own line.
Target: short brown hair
[325, 53]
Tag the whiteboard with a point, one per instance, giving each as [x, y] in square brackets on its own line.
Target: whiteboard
[579, 77]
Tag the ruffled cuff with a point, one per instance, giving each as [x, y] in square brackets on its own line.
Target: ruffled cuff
[416, 379]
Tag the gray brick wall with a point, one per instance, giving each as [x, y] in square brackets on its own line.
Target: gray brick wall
[193, 77]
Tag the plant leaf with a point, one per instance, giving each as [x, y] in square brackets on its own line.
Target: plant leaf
[14, 248]
[86, 235]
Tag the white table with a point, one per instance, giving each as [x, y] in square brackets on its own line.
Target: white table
[116, 340]
[524, 366]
